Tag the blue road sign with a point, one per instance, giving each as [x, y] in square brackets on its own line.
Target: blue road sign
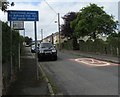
[17, 15]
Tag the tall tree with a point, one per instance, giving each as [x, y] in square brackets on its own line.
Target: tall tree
[66, 30]
[93, 20]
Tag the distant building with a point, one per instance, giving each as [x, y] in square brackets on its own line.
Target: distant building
[47, 39]
[104, 38]
[54, 38]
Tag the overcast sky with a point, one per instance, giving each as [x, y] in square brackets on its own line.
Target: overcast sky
[47, 16]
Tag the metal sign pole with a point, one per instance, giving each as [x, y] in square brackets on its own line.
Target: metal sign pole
[11, 71]
[24, 33]
[19, 54]
[36, 59]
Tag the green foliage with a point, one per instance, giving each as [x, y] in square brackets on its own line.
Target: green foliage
[66, 30]
[6, 52]
[93, 20]
[28, 40]
[5, 5]
[114, 41]
[67, 45]
[109, 47]
[6, 43]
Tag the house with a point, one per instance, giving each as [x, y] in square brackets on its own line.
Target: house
[54, 38]
[103, 37]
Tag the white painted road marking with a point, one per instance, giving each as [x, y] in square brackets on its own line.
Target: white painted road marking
[94, 62]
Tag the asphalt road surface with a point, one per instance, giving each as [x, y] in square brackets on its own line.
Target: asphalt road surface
[75, 75]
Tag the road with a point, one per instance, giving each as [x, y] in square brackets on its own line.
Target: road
[77, 78]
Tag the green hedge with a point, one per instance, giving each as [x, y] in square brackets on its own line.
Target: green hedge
[67, 45]
[6, 51]
[109, 47]
[101, 47]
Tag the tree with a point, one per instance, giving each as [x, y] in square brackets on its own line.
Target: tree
[93, 20]
[66, 30]
[5, 5]
[28, 40]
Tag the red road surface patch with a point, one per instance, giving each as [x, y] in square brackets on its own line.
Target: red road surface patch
[94, 62]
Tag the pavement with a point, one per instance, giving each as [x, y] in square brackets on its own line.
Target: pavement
[104, 57]
[26, 82]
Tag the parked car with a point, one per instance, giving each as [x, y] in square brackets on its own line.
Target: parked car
[33, 48]
[47, 50]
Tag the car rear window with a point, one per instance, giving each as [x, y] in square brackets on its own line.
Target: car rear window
[46, 45]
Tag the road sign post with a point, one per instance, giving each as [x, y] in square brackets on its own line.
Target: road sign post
[11, 62]
[36, 50]
[18, 15]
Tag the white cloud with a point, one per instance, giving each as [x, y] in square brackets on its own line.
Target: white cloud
[47, 15]
[82, 0]
[23, 0]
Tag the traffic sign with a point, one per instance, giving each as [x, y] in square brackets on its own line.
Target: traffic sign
[17, 25]
[18, 15]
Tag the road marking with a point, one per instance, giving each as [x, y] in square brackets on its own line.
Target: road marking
[94, 62]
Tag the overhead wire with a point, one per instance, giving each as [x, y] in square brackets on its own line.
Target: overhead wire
[48, 25]
[50, 6]
[52, 19]
[52, 10]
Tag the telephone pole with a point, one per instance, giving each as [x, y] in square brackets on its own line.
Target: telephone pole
[59, 31]
[41, 35]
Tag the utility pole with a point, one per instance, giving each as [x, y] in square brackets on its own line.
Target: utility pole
[52, 38]
[41, 35]
[59, 31]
